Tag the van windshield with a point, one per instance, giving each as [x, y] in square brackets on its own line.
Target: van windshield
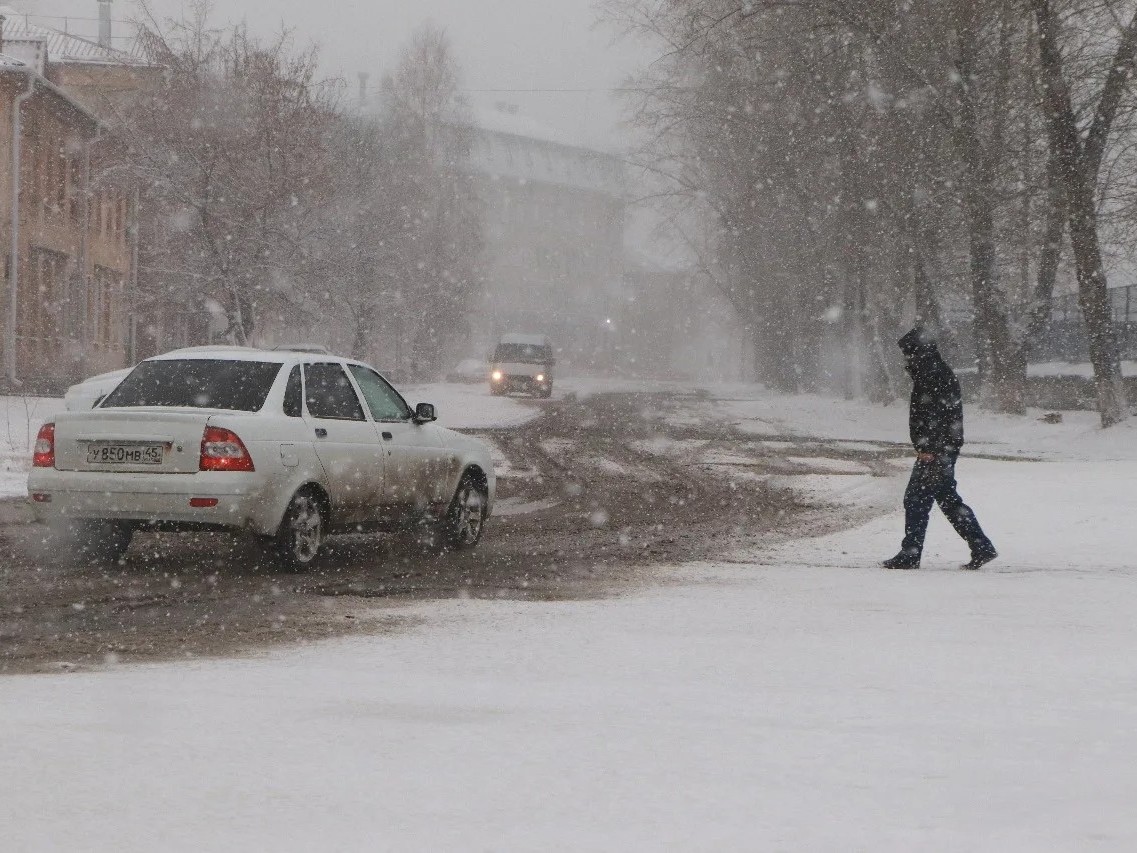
[522, 354]
[239, 386]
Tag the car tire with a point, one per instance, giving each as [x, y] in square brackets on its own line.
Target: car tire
[101, 542]
[465, 518]
[301, 535]
[547, 392]
[460, 529]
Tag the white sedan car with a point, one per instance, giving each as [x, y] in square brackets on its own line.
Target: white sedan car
[290, 446]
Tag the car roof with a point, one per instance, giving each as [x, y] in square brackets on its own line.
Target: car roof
[528, 340]
[314, 349]
[235, 353]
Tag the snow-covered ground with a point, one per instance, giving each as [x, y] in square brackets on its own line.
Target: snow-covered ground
[795, 698]
[1079, 436]
[470, 406]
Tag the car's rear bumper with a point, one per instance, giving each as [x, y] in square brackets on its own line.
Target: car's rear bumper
[243, 500]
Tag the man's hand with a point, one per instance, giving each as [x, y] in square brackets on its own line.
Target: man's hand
[926, 457]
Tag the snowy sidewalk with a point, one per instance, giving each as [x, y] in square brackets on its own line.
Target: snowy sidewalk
[799, 699]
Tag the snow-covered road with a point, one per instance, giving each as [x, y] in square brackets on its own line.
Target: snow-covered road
[793, 699]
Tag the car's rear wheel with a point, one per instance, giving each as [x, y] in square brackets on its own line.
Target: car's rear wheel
[301, 535]
[93, 541]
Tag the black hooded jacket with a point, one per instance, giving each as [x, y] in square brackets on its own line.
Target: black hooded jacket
[935, 415]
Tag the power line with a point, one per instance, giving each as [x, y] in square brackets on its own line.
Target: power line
[556, 90]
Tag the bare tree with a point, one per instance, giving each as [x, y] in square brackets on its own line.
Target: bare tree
[428, 137]
[1078, 158]
[854, 152]
[356, 260]
[231, 150]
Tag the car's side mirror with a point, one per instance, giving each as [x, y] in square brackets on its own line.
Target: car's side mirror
[425, 413]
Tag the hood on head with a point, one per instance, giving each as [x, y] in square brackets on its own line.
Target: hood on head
[920, 351]
[917, 342]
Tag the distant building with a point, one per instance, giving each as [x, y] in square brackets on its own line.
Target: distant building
[69, 264]
[69, 248]
[554, 239]
[674, 326]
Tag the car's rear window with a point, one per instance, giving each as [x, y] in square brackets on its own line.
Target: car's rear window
[239, 386]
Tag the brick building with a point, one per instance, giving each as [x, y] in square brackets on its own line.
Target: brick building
[68, 241]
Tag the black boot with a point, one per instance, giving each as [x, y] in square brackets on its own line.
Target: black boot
[903, 560]
[980, 559]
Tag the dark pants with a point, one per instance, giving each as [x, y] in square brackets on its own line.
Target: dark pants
[934, 482]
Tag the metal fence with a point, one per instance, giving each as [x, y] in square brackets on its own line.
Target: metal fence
[1065, 338]
[1123, 301]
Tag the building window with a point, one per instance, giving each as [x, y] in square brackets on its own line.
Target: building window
[59, 178]
[49, 306]
[107, 307]
[75, 188]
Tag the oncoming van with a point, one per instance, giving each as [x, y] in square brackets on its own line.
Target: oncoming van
[522, 363]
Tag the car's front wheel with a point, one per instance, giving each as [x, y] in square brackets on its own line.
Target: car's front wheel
[301, 533]
[466, 517]
[460, 529]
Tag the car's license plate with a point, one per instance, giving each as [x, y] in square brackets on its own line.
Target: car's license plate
[125, 454]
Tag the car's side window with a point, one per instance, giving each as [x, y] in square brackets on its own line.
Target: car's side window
[294, 395]
[329, 394]
[383, 400]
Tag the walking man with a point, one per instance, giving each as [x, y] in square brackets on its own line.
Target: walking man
[935, 421]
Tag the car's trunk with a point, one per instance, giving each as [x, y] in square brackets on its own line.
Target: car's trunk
[156, 441]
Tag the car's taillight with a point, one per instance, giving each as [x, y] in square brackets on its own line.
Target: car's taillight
[45, 447]
[222, 450]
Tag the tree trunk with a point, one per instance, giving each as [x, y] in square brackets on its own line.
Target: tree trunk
[1078, 166]
[997, 385]
[853, 325]
[777, 332]
[927, 308]
[981, 158]
[992, 335]
[1038, 316]
[1093, 298]
[359, 340]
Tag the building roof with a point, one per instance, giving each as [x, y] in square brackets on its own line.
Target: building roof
[512, 146]
[508, 119]
[61, 46]
[10, 64]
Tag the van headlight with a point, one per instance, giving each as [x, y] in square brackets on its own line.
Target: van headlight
[496, 376]
[540, 377]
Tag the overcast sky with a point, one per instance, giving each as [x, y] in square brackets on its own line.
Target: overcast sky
[501, 44]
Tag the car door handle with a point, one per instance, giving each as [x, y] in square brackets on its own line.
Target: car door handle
[388, 436]
[321, 432]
